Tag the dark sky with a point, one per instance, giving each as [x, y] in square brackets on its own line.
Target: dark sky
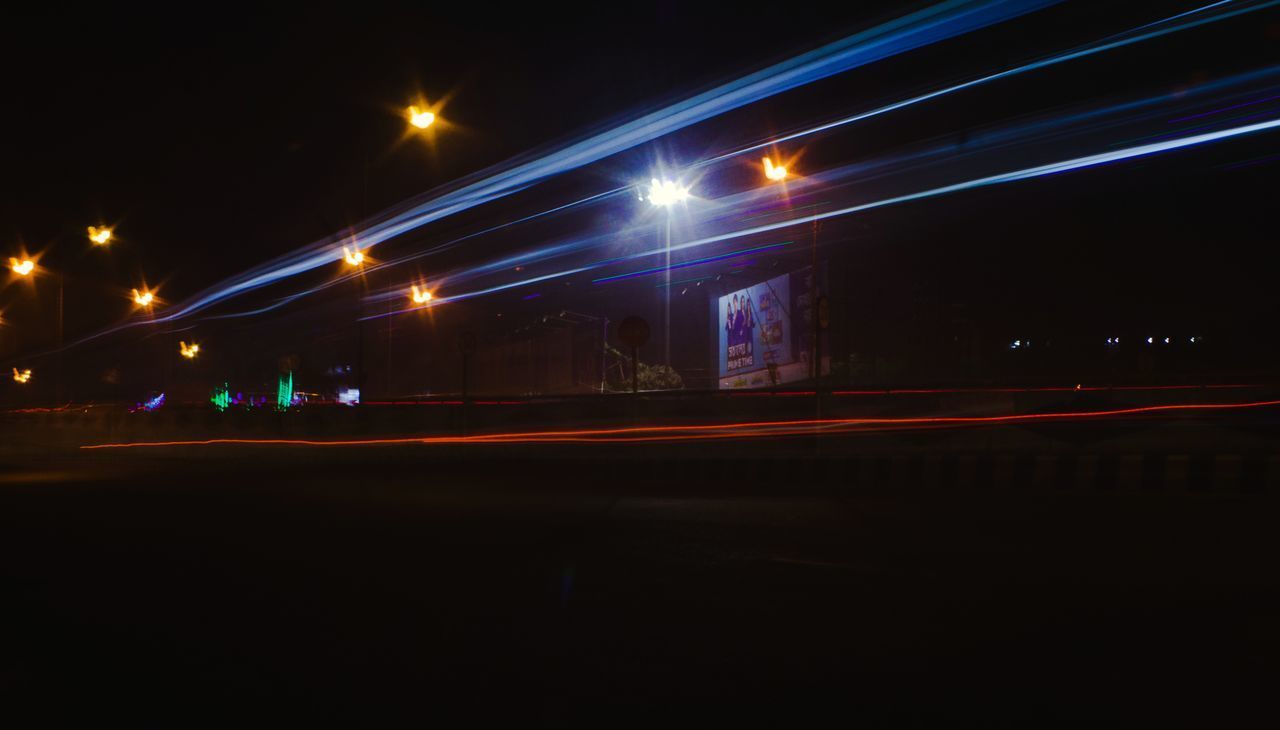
[215, 140]
[229, 135]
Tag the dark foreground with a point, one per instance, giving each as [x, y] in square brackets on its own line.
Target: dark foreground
[361, 587]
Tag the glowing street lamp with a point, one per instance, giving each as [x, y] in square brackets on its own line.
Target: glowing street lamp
[21, 376]
[143, 298]
[99, 236]
[189, 351]
[776, 173]
[420, 296]
[353, 257]
[666, 193]
[23, 267]
[421, 118]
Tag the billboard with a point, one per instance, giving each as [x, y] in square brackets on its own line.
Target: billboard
[765, 324]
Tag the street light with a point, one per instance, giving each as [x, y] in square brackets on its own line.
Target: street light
[421, 118]
[21, 376]
[666, 193]
[777, 173]
[99, 235]
[353, 257]
[420, 296]
[143, 298]
[189, 351]
[23, 267]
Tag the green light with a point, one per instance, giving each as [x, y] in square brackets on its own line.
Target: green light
[284, 392]
[221, 398]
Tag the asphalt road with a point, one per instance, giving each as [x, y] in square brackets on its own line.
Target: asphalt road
[241, 589]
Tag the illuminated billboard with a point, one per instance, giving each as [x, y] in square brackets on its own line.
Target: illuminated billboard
[761, 325]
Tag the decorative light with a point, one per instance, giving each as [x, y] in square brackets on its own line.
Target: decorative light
[221, 398]
[284, 392]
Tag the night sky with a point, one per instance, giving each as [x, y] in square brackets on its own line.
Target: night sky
[216, 141]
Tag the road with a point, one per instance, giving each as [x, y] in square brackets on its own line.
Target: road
[357, 589]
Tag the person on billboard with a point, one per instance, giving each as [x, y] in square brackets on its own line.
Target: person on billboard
[730, 337]
[748, 318]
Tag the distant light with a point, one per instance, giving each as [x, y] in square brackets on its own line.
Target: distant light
[666, 193]
[189, 351]
[284, 392]
[1150, 340]
[143, 298]
[420, 296]
[421, 119]
[349, 396]
[150, 405]
[1166, 340]
[99, 236]
[221, 397]
[23, 267]
[21, 376]
[774, 172]
[353, 257]
[1016, 344]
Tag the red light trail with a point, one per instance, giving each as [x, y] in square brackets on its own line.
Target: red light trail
[722, 431]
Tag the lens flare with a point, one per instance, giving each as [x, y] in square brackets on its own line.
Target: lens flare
[23, 267]
[420, 296]
[143, 298]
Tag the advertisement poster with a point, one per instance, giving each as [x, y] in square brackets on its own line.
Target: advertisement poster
[755, 327]
[769, 323]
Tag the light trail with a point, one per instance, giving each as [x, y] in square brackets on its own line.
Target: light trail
[1120, 40]
[924, 27]
[1135, 35]
[720, 431]
[943, 21]
[927, 26]
[1076, 163]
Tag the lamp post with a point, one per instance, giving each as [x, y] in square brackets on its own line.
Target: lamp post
[354, 259]
[665, 194]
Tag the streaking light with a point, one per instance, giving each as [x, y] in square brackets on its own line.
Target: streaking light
[23, 267]
[99, 236]
[150, 405]
[189, 351]
[420, 296]
[724, 431]
[774, 172]
[21, 376]
[421, 119]
[666, 193]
